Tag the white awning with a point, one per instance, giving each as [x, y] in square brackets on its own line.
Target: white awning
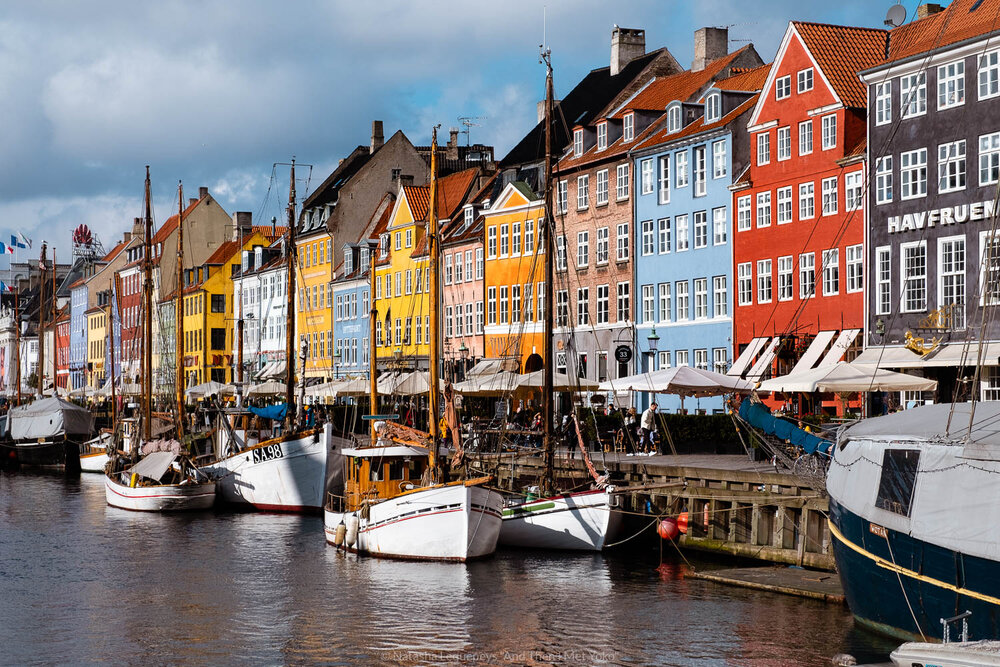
[764, 362]
[836, 353]
[747, 356]
[951, 354]
[814, 352]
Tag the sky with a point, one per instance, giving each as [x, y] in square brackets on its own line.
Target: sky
[215, 92]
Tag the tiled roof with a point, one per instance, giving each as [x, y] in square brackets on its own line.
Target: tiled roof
[269, 232]
[224, 252]
[698, 126]
[452, 191]
[167, 228]
[115, 251]
[746, 79]
[961, 20]
[841, 52]
[418, 197]
[78, 282]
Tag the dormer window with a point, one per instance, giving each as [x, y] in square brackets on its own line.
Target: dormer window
[628, 127]
[713, 107]
[348, 261]
[674, 118]
[470, 214]
[383, 246]
[577, 143]
[602, 136]
[364, 259]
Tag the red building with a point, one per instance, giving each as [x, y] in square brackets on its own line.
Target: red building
[62, 348]
[798, 209]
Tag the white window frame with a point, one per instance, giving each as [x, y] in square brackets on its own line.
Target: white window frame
[666, 302]
[720, 159]
[602, 135]
[763, 148]
[648, 242]
[913, 174]
[831, 195]
[913, 95]
[958, 286]
[720, 296]
[700, 171]
[786, 278]
[663, 195]
[744, 213]
[989, 158]
[682, 293]
[807, 200]
[577, 142]
[804, 80]
[765, 278]
[601, 256]
[720, 226]
[623, 242]
[951, 85]
[681, 174]
[919, 281]
[582, 249]
[951, 166]
[701, 298]
[628, 127]
[829, 131]
[883, 280]
[988, 297]
[853, 189]
[854, 261]
[784, 201]
[989, 75]
[602, 187]
[807, 275]
[582, 192]
[806, 137]
[831, 272]
[784, 143]
[700, 229]
[883, 180]
[883, 103]
[744, 283]
[763, 209]
[713, 107]
[682, 232]
[783, 87]
[622, 185]
[674, 119]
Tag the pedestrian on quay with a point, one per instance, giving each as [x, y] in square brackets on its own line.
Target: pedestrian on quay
[631, 431]
[646, 429]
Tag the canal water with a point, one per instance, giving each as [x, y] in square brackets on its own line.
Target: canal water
[83, 582]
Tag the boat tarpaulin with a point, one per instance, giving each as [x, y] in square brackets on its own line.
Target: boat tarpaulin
[49, 418]
[153, 466]
[276, 412]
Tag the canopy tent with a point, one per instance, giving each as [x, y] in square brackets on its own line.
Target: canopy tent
[492, 367]
[323, 389]
[682, 380]
[763, 363]
[130, 388]
[84, 392]
[355, 387]
[839, 347]
[267, 389]
[209, 389]
[560, 382]
[49, 418]
[845, 377]
[406, 384]
[273, 370]
[497, 384]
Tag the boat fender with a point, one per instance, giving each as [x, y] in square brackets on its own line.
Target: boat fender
[843, 660]
[132, 482]
[339, 534]
[351, 532]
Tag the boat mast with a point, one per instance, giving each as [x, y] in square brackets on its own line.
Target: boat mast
[290, 306]
[548, 440]
[178, 314]
[112, 302]
[17, 339]
[147, 317]
[55, 330]
[372, 319]
[40, 372]
[434, 300]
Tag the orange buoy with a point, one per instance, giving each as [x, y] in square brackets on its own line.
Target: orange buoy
[667, 529]
[682, 522]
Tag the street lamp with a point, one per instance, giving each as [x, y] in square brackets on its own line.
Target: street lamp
[463, 352]
[654, 340]
[336, 365]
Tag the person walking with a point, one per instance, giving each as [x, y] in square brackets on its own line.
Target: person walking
[647, 427]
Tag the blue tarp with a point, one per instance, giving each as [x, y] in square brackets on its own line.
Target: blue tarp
[758, 416]
[276, 412]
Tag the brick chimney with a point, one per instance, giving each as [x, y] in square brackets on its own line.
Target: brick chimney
[923, 11]
[242, 221]
[202, 192]
[452, 150]
[627, 44]
[377, 137]
[405, 180]
[709, 44]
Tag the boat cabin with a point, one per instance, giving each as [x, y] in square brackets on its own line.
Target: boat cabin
[377, 473]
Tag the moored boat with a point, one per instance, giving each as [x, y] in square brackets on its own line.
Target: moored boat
[94, 453]
[47, 433]
[958, 654]
[162, 481]
[585, 520]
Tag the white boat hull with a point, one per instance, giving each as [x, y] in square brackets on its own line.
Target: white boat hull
[585, 521]
[450, 523]
[160, 498]
[958, 654]
[287, 476]
[94, 462]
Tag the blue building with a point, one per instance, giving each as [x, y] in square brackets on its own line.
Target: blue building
[683, 249]
[78, 304]
[352, 303]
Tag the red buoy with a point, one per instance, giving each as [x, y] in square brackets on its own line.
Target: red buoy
[682, 522]
[668, 529]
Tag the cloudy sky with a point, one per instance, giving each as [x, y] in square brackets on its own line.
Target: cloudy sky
[215, 92]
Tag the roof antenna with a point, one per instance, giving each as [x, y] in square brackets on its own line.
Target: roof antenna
[896, 16]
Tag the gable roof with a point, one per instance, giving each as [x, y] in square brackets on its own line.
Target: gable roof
[959, 21]
[745, 79]
[223, 253]
[698, 126]
[327, 190]
[841, 52]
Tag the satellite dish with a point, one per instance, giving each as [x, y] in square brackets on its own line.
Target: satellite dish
[896, 16]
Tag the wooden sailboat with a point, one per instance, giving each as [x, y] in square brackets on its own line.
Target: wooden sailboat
[286, 473]
[584, 520]
[164, 479]
[396, 502]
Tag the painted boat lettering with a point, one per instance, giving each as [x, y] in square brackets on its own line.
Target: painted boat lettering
[268, 453]
[878, 530]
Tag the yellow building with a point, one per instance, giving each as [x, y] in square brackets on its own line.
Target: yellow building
[314, 311]
[97, 347]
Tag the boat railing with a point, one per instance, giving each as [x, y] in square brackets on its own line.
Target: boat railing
[335, 502]
[946, 624]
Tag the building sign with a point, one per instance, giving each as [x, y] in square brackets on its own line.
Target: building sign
[623, 354]
[941, 217]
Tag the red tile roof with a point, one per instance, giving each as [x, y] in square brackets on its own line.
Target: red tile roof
[224, 252]
[698, 126]
[745, 79]
[452, 191]
[115, 251]
[961, 20]
[841, 52]
[418, 197]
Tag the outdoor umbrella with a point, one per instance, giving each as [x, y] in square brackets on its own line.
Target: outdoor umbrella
[498, 384]
[270, 388]
[844, 377]
[560, 382]
[682, 380]
[209, 388]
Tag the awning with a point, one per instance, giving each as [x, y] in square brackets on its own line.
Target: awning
[845, 377]
[815, 351]
[764, 363]
[950, 354]
[836, 353]
[154, 466]
[275, 370]
[493, 366]
[747, 356]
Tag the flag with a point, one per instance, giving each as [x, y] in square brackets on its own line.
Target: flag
[15, 240]
[4, 248]
[24, 239]
[4, 287]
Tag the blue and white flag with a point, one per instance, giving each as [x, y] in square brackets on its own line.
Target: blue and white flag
[19, 241]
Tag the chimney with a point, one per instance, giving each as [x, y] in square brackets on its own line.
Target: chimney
[923, 11]
[192, 201]
[452, 151]
[627, 44]
[709, 44]
[242, 222]
[377, 137]
[405, 179]
[202, 192]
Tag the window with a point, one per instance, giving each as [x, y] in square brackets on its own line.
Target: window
[491, 304]
[577, 143]
[951, 84]
[582, 191]
[623, 242]
[720, 227]
[883, 278]
[529, 244]
[744, 274]
[701, 359]
[674, 119]
[764, 278]
[469, 216]
[951, 166]
[855, 262]
[713, 107]
[218, 339]
[681, 169]
[582, 249]
[805, 80]
[763, 209]
[664, 196]
[504, 303]
[682, 290]
[602, 366]
[646, 176]
[989, 75]
[883, 180]
[699, 171]
[830, 196]
[666, 298]
[783, 87]
[218, 303]
[622, 181]
[648, 304]
[806, 137]
[784, 143]
[720, 360]
[913, 94]
[807, 200]
[720, 160]
[951, 278]
[683, 239]
[829, 128]
[561, 362]
[602, 136]
[447, 273]
[682, 358]
[700, 229]
[504, 241]
[913, 173]
[602, 245]
[624, 302]
[989, 276]
[399, 284]
[468, 266]
[491, 242]
[448, 320]
[582, 306]
[914, 276]
[807, 275]
[853, 191]
[399, 241]
[743, 214]
[479, 317]
[515, 244]
[562, 197]
[831, 272]
[602, 304]
[648, 238]
[883, 103]
[785, 278]
[784, 205]
[560, 253]
[763, 148]
[529, 309]
[720, 296]
[664, 235]
[628, 127]
[479, 263]
[562, 308]
[602, 187]
[701, 298]
[899, 476]
[989, 158]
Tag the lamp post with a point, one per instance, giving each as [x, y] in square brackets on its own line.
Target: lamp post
[654, 342]
[336, 365]
[463, 352]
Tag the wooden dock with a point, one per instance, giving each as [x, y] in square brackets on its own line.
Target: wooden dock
[795, 581]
